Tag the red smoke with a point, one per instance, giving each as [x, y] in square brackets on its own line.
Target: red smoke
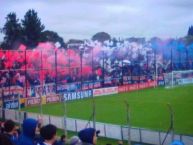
[41, 61]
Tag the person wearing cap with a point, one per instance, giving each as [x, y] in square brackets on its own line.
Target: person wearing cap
[177, 142]
[88, 136]
[75, 140]
[28, 132]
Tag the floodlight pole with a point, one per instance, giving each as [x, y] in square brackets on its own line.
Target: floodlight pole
[69, 62]
[156, 74]
[81, 55]
[41, 93]
[147, 57]
[172, 67]
[103, 72]
[155, 63]
[56, 72]
[187, 59]
[128, 122]
[3, 102]
[122, 81]
[172, 79]
[92, 70]
[139, 69]
[19, 110]
[9, 80]
[25, 74]
[93, 99]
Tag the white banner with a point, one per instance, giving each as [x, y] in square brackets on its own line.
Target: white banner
[105, 91]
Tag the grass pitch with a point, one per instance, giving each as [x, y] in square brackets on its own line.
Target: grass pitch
[148, 108]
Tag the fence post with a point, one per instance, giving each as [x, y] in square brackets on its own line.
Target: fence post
[160, 138]
[180, 137]
[105, 130]
[49, 119]
[140, 135]
[122, 132]
[25, 115]
[76, 126]
[128, 122]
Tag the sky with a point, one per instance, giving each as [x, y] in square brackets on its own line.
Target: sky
[81, 19]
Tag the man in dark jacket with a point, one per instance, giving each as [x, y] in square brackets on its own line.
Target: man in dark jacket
[4, 140]
[48, 133]
[10, 131]
[28, 133]
[88, 136]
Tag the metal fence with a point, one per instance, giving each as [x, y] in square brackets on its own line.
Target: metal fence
[106, 130]
[81, 70]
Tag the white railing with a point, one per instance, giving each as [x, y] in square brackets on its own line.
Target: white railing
[106, 130]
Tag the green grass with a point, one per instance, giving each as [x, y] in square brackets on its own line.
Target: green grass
[148, 108]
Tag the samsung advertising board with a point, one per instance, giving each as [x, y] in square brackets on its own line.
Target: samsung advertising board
[77, 95]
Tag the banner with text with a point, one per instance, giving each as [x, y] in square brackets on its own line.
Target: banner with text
[11, 104]
[37, 91]
[77, 95]
[138, 86]
[33, 101]
[105, 91]
[52, 98]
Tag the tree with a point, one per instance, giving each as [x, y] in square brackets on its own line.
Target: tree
[189, 38]
[101, 37]
[52, 37]
[12, 31]
[190, 31]
[32, 28]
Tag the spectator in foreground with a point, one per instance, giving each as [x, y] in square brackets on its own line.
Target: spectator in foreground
[4, 140]
[2, 127]
[75, 140]
[10, 130]
[38, 138]
[177, 142]
[88, 136]
[48, 133]
[28, 133]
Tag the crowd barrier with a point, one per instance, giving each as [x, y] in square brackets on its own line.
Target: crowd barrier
[106, 130]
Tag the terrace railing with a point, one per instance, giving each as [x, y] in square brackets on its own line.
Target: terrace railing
[106, 130]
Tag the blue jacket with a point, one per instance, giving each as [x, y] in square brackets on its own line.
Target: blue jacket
[177, 142]
[28, 134]
[12, 138]
[59, 143]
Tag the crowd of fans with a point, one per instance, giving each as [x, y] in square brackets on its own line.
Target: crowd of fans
[33, 132]
[114, 62]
